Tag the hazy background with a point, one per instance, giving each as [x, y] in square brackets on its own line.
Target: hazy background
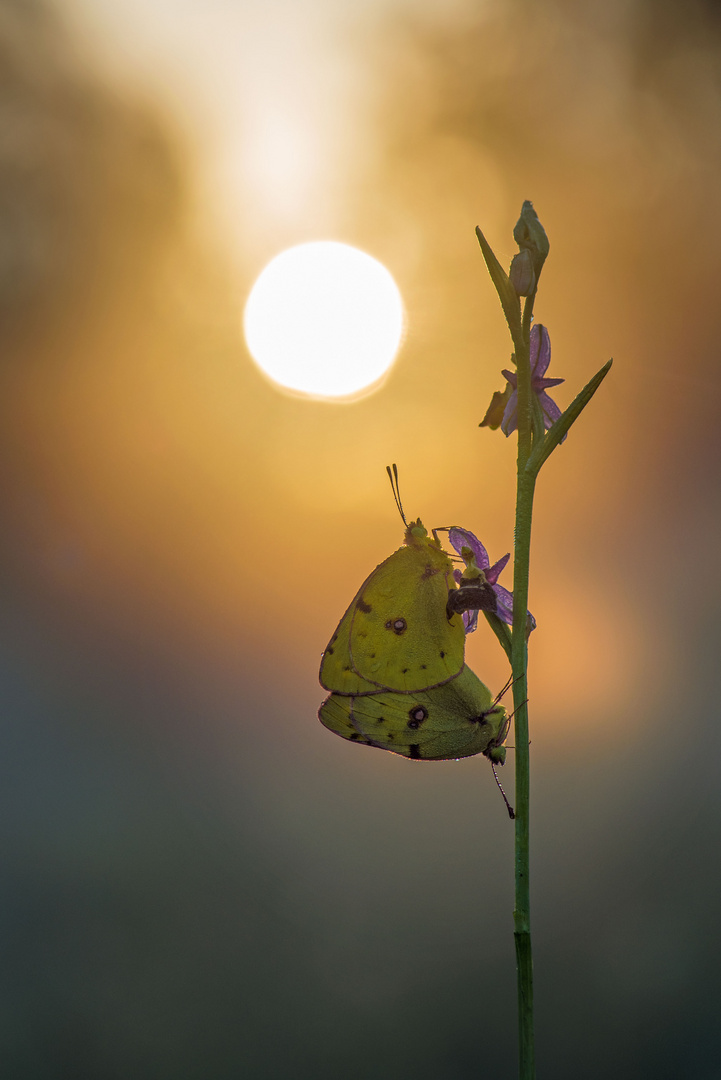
[198, 880]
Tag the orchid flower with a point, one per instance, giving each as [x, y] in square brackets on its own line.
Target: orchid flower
[478, 583]
[540, 355]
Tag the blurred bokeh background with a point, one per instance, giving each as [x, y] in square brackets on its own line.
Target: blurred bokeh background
[198, 880]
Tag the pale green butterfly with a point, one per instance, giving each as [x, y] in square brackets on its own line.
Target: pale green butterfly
[395, 664]
[397, 635]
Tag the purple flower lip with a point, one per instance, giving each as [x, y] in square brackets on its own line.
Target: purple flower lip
[540, 355]
[481, 591]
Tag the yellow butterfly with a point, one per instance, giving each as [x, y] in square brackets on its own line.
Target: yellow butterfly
[396, 634]
[395, 664]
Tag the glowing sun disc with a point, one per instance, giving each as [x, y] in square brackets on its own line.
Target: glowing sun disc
[324, 319]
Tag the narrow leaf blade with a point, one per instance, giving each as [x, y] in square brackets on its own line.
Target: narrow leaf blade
[557, 431]
[506, 293]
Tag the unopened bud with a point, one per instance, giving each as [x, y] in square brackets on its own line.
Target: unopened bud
[522, 274]
[530, 236]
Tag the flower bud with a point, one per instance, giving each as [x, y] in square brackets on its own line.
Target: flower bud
[530, 236]
[522, 274]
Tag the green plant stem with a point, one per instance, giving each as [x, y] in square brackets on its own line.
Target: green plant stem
[534, 448]
[519, 658]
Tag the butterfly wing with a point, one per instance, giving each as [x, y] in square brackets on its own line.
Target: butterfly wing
[337, 672]
[458, 719]
[401, 638]
[396, 635]
[336, 714]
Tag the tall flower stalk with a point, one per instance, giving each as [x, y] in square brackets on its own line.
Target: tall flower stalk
[525, 406]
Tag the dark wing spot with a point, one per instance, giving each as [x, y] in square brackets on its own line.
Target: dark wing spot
[347, 668]
[417, 715]
[398, 626]
[390, 736]
[329, 651]
[405, 670]
[381, 720]
[362, 606]
[442, 655]
[428, 572]
[415, 750]
[353, 737]
[423, 667]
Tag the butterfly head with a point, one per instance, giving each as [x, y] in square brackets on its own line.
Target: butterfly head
[496, 751]
[415, 531]
[496, 754]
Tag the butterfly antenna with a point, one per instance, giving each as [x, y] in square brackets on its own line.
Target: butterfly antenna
[511, 811]
[505, 689]
[395, 488]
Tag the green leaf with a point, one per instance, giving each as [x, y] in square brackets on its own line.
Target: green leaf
[545, 448]
[506, 293]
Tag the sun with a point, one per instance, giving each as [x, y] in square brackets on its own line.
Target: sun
[325, 320]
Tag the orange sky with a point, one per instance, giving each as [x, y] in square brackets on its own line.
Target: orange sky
[182, 471]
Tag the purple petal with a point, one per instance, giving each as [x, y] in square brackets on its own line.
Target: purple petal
[509, 422]
[546, 384]
[504, 608]
[461, 538]
[511, 377]
[470, 621]
[540, 350]
[493, 572]
[551, 411]
[457, 576]
[504, 604]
